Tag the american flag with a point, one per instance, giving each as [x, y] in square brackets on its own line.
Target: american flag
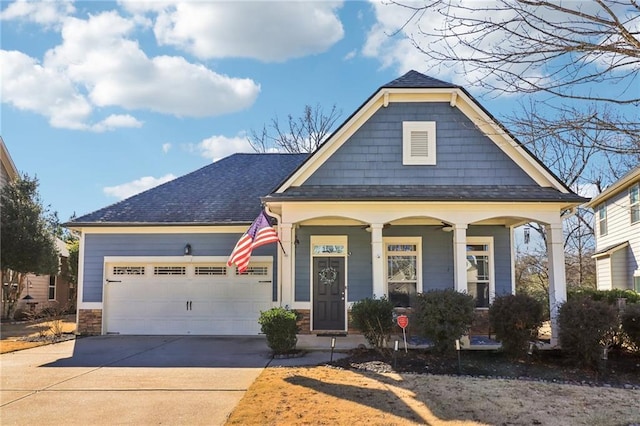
[260, 233]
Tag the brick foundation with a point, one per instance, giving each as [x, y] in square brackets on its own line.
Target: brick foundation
[480, 325]
[304, 323]
[90, 322]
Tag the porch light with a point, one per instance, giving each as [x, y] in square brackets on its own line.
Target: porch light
[446, 227]
[187, 250]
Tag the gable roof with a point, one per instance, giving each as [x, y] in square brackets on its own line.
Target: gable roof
[630, 178]
[226, 192]
[416, 87]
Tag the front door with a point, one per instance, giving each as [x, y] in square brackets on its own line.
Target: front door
[328, 293]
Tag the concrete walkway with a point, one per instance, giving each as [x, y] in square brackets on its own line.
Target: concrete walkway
[141, 380]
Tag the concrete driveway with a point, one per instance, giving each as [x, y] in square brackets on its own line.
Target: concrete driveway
[138, 380]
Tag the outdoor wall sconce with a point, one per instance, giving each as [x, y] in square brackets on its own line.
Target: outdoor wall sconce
[187, 250]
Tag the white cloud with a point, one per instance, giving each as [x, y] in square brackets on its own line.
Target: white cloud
[166, 147]
[99, 65]
[217, 147]
[27, 85]
[268, 31]
[352, 54]
[115, 121]
[47, 12]
[128, 189]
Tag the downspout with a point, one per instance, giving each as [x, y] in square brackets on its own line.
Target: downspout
[279, 259]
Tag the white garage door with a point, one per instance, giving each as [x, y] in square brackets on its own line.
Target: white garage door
[200, 298]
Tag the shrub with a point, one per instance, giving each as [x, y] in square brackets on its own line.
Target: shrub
[630, 319]
[443, 316]
[584, 325]
[374, 318]
[515, 319]
[280, 326]
[609, 296]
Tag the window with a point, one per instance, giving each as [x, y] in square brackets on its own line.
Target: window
[169, 270]
[128, 270]
[402, 262]
[419, 143]
[601, 217]
[52, 287]
[636, 284]
[480, 270]
[255, 270]
[634, 203]
[211, 270]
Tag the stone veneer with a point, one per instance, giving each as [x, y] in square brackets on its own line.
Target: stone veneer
[90, 322]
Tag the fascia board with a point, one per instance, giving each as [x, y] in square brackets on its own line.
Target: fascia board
[627, 180]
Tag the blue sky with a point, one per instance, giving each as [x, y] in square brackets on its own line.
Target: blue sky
[104, 99]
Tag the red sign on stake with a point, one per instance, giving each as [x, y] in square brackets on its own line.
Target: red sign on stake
[403, 321]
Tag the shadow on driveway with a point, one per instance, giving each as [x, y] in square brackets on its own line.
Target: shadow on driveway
[168, 351]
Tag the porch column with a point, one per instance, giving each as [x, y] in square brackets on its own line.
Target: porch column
[377, 260]
[557, 280]
[460, 257]
[285, 277]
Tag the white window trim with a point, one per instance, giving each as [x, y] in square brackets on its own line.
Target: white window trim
[599, 220]
[492, 275]
[408, 127]
[54, 286]
[417, 241]
[636, 204]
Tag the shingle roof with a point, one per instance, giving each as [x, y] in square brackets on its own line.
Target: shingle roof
[414, 79]
[227, 191]
[424, 193]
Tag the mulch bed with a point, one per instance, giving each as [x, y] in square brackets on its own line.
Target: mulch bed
[622, 369]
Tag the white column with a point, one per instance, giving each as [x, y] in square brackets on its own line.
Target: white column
[557, 280]
[285, 275]
[377, 260]
[460, 257]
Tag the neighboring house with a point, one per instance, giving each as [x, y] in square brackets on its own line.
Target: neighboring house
[41, 291]
[9, 170]
[365, 215]
[617, 230]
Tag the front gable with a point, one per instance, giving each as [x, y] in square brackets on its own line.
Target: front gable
[472, 148]
[373, 154]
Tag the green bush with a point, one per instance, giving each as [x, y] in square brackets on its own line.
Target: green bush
[374, 318]
[280, 326]
[515, 319]
[585, 327]
[609, 296]
[443, 316]
[630, 319]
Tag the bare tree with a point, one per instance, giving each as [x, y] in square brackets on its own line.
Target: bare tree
[581, 58]
[299, 134]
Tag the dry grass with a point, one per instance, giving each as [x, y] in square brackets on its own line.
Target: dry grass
[16, 337]
[323, 395]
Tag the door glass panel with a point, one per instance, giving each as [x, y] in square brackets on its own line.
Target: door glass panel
[328, 249]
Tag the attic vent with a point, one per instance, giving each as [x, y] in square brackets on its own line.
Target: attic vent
[128, 270]
[169, 270]
[211, 270]
[419, 143]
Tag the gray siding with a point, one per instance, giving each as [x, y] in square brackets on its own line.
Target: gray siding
[437, 257]
[97, 246]
[373, 154]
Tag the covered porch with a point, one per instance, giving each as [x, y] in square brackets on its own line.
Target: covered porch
[398, 248]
